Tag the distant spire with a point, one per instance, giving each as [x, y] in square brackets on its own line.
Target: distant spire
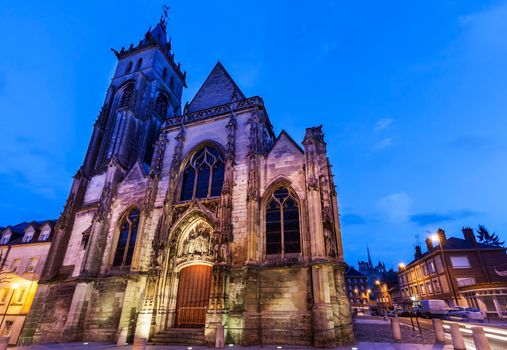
[369, 257]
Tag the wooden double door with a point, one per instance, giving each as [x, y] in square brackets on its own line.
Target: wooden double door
[193, 296]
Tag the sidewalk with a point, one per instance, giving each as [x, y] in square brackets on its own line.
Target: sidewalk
[358, 346]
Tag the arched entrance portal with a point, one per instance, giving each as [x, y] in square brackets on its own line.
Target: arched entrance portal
[193, 296]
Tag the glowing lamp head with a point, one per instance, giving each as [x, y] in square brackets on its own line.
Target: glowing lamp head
[368, 290]
[377, 282]
[434, 238]
[356, 290]
[15, 285]
[401, 266]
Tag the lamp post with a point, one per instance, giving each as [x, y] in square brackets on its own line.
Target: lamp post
[14, 287]
[378, 293]
[436, 238]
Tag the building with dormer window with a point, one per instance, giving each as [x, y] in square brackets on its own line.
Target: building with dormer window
[23, 251]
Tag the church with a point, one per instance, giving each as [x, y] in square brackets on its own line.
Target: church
[183, 220]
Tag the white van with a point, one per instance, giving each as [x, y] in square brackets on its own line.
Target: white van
[433, 308]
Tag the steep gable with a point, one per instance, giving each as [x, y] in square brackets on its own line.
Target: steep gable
[137, 172]
[218, 89]
[285, 144]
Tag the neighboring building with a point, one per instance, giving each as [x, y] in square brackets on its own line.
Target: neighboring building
[467, 271]
[23, 251]
[194, 217]
[358, 290]
[372, 272]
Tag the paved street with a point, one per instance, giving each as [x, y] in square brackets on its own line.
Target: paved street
[496, 333]
[358, 346]
[372, 333]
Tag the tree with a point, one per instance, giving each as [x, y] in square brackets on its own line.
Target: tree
[483, 236]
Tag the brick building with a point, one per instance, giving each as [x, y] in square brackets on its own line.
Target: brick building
[23, 251]
[194, 217]
[460, 271]
[358, 290]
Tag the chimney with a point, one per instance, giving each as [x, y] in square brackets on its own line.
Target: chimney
[441, 236]
[468, 234]
[429, 244]
[418, 252]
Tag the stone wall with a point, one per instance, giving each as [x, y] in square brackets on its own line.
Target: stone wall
[49, 313]
[269, 306]
[104, 312]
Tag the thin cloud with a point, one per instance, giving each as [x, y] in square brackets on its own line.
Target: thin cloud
[396, 207]
[383, 144]
[424, 219]
[353, 219]
[383, 124]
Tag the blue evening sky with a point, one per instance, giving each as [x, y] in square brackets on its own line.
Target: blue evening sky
[412, 95]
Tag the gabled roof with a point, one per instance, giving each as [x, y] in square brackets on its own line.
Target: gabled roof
[18, 230]
[284, 133]
[218, 89]
[351, 271]
[454, 243]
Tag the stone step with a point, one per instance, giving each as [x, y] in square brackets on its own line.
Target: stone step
[190, 336]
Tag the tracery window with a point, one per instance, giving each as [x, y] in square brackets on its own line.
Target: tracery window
[203, 176]
[127, 96]
[129, 68]
[126, 239]
[161, 104]
[139, 63]
[282, 223]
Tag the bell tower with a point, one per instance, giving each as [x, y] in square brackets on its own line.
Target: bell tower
[144, 93]
[145, 90]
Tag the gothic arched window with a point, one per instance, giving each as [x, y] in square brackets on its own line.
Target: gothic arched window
[127, 96]
[127, 239]
[161, 104]
[139, 63]
[129, 67]
[282, 223]
[204, 175]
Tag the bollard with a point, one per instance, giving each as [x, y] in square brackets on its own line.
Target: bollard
[139, 343]
[480, 340]
[395, 326]
[219, 341]
[438, 327]
[122, 338]
[4, 343]
[385, 315]
[457, 338]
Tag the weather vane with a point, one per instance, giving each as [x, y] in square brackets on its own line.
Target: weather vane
[165, 15]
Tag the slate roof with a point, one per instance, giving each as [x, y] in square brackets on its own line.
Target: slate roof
[218, 89]
[18, 231]
[454, 243]
[351, 271]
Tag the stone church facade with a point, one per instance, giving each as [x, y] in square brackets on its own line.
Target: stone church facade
[185, 219]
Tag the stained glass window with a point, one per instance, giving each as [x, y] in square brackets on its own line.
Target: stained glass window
[127, 239]
[203, 176]
[282, 223]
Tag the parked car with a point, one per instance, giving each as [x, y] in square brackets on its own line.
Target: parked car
[433, 308]
[461, 313]
[400, 312]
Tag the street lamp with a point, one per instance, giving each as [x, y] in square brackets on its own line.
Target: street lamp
[436, 239]
[401, 266]
[14, 287]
